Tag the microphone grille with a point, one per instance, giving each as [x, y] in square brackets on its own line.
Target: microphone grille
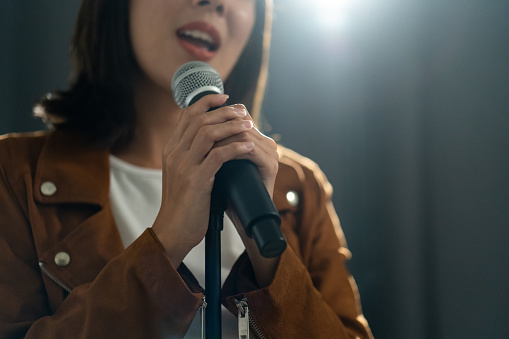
[193, 77]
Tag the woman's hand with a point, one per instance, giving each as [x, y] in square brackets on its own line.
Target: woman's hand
[264, 155]
[200, 144]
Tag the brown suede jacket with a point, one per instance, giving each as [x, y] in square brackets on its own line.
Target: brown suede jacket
[64, 272]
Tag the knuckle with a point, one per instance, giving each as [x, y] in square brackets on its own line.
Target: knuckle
[217, 155]
[201, 119]
[242, 137]
[207, 132]
[272, 144]
[188, 113]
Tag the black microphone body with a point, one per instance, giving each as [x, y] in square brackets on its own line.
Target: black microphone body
[239, 180]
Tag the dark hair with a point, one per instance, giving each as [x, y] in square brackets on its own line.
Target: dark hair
[99, 102]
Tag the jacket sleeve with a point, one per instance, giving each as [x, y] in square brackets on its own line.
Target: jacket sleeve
[312, 294]
[138, 294]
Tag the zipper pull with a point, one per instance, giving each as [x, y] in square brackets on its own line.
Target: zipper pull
[243, 318]
[202, 316]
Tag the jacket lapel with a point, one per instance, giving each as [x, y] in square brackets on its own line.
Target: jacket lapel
[71, 212]
[79, 172]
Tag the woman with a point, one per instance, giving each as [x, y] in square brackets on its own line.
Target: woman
[85, 254]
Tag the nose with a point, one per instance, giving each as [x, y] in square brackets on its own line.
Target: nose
[215, 5]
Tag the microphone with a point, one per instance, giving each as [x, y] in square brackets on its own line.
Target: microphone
[240, 179]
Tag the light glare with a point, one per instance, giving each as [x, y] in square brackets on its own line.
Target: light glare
[330, 14]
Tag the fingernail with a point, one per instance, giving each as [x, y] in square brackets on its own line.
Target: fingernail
[240, 110]
[249, 145]
[248, 124]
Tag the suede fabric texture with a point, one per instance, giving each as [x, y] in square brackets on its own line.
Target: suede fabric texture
[108, 291]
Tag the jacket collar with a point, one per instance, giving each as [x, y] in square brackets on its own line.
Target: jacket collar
[78, 171]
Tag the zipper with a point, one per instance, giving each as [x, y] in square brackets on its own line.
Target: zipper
[52, 277]
[246, 320]
[243, 318]
[203, 306]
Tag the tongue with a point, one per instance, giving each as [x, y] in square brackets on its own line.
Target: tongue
[197, 42]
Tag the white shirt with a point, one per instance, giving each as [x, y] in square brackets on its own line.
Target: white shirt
[135, 195]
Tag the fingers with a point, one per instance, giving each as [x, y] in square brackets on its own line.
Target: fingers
[209, 135]
[219, 155]
[197, 116]
[201, 106]
[198, 147]
[263, 144]
[212, 138]
[208, 128]
[264, 155]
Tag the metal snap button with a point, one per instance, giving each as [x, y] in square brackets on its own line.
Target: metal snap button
[62, 259]
[48, 188]
[293, 198]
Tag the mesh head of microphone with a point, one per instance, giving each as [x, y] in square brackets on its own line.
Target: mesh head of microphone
[193, 78]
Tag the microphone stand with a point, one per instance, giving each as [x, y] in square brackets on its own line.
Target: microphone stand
[213, 262]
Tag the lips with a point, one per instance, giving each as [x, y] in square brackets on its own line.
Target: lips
[200, 39]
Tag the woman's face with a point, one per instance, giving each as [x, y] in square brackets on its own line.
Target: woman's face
[168, 33]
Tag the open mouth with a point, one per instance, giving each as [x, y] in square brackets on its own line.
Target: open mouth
[199, 39]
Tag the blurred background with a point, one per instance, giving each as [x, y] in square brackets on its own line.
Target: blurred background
[404, 104]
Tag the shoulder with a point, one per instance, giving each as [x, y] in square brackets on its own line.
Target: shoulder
[19, 154]
[22, 139]
[21, 150]
[297, 168]
[300, 176]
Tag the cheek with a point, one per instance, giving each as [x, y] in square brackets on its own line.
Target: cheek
[240, 26]
[245, 20]
[146, 26]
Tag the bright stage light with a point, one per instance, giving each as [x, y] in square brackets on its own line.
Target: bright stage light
[330, 14]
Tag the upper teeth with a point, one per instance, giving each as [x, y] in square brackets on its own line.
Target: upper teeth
[199, 35]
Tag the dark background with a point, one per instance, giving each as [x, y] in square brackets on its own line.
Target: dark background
[404, 104]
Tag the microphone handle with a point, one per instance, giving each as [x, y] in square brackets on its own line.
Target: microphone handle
[249, 198]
